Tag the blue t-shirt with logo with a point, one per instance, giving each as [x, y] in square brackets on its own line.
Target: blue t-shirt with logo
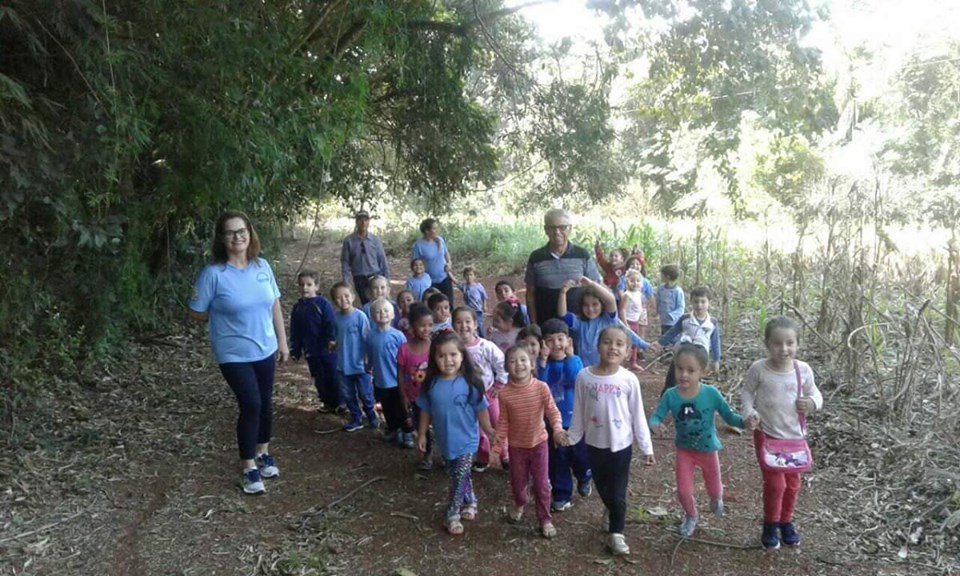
[352, 330]
[382, 349]
[453, 407]
[239, 304]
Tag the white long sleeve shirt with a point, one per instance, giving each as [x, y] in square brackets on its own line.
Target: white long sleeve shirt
[488, 359]
[773, 397]
[608, 412]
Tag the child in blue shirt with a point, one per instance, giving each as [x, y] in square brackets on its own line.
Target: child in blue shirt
[474, 296]
[560, 373]
[598, 310]
[693, 406]
[383, 345]
[313, 334]
[453, 399]
[420, 281]
[352, 330]
[670, 299]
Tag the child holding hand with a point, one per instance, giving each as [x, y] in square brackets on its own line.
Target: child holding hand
[693, 406]
[525, 404]
[608, 414]
[453, 399]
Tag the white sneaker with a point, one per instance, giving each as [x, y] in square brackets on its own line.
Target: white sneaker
[618, 545]
[251, 483]
[266, 466]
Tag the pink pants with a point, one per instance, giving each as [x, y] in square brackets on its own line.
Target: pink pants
[527, 464]
[483, 452]
[709, 463]
[780, 490]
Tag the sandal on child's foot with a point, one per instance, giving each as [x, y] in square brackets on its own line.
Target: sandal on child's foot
[548, 530]
[454, 527]
[469, 512]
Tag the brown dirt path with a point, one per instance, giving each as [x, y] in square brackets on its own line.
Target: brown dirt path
[173, 506]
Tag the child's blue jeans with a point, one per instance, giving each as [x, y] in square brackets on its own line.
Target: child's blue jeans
[354, 387]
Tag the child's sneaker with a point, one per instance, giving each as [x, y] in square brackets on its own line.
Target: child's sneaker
[789, 534]
[515, 514]
[251, 483]
[688, 525]
[374, 422]
[716, 506]
[505, 465]
[561, 506]
[480, 467]
[323, 409]
[266, 466]
[548, 530]
[584, 488]
[769, 538]
[408, 440]
[618, 545]
[353, 426]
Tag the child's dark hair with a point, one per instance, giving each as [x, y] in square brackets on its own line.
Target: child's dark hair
[554, 326]
[618, 327]
[418, 311]
[699, 353]
[428, 293]
[467, 369]
[531, 330]
[435, 299]
[414, 261]
[510, 310]
[623, 254]
[516, 348]
[311, 274]
[632, 259]
[671, 272]
[506, 283]
[402, 292]
[780, 323]
[469, 270]
[340, 286]
[701, 292]
[464, 310]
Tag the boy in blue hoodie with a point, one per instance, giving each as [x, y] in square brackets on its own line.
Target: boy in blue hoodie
[560, 373]
[312, 334]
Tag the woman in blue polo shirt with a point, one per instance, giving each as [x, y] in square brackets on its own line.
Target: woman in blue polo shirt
[238, 295]
[433, 251]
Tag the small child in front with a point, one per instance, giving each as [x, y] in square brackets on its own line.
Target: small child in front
[608, 415]
[420, 281]
[670, 299]
[693, 406]
[488, 361]
[313, 334]
[383, 346]
[633, 310]
[698, 328]
[453, 399]
[474, 296]
[525, 404]
[778, 392]
[352, 330]
[560, 372]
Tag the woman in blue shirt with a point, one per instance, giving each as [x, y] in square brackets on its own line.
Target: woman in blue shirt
[433, 251]
[237, 295]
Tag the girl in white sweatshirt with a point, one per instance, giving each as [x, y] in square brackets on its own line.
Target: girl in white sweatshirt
[608, 412]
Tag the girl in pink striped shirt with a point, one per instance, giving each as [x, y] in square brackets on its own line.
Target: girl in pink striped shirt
[525, 403]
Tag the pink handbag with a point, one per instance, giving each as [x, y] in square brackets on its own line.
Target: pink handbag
[788, 456]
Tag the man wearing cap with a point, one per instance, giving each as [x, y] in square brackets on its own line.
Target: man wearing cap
[362, 256]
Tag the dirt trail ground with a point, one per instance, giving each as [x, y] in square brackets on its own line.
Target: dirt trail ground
[155, 493]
